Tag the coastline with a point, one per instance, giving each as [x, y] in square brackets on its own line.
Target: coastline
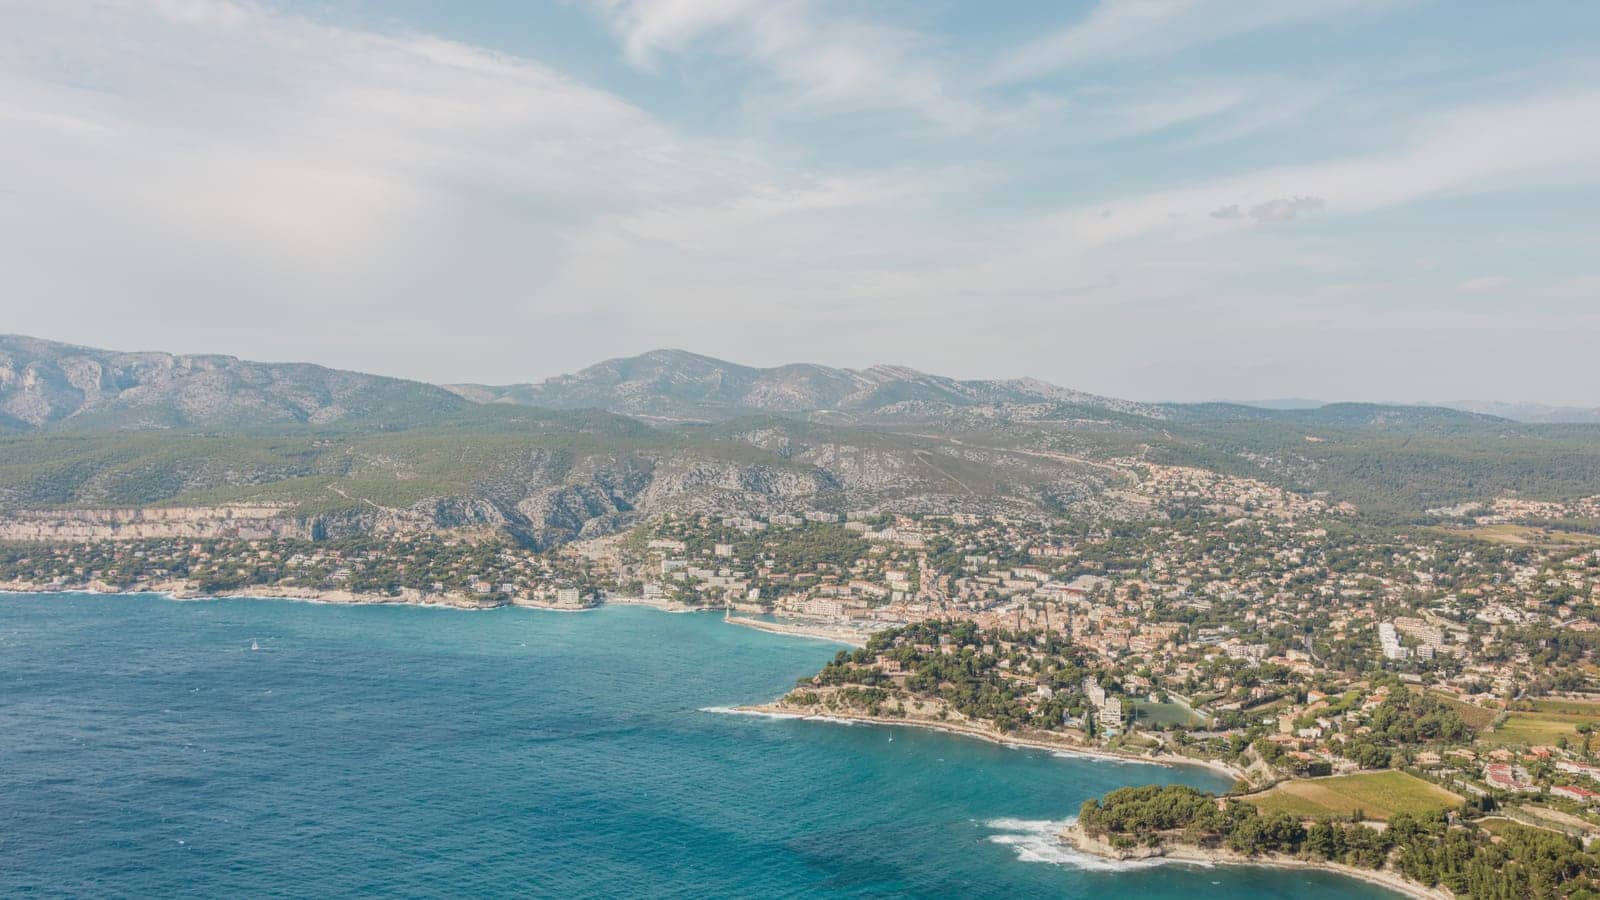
[986, 733]
[181, 592]
[1075, 838]
[666, 606]
[185, 592]
[841, 634]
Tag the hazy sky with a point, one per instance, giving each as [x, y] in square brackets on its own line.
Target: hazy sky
[1159, 199]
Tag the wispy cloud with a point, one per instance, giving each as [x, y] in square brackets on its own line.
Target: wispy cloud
[1473, 149]
[829, 60]
[1139, 251]
[228, 172]
[297, 163]
[1135, 29]
[412, 114]
[649, 27]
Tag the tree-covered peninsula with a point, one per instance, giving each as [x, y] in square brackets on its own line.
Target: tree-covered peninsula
[1481, 859]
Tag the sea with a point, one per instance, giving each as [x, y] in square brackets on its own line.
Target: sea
[269, 748]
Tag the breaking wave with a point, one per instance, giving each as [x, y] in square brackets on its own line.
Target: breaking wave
[1038, 841]
[767, 714]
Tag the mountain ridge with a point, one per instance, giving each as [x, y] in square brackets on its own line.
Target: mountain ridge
[672, 431]
[678, 385]
[51, 384]
[48, 383]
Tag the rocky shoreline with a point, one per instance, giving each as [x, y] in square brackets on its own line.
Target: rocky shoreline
[182, 590]
[1079, 840]
[1034, 741]
[1072, 836]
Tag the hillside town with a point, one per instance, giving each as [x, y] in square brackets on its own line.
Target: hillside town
[1276, 638]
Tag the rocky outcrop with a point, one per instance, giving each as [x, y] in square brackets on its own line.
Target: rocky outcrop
[545, 497]
[242, 522]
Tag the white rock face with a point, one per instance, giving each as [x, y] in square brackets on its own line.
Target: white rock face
[244, 522]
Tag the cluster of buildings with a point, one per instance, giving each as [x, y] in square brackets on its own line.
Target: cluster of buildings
[1107, 708]
[1516, 510]
[1273, 615]
[461, 569]
[1280, 624]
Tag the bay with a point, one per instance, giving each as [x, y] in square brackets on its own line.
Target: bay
[147, 750]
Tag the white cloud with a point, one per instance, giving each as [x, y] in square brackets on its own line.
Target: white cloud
[1285, 209]
[826, 60]
[1131, 29]
[325, 136]
[234, 167]
[1153, 262]
[651, 26]
[1470, 150]
[224, 176]
[1281, 209]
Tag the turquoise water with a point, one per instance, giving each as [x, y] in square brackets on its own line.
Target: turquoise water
[145, 750]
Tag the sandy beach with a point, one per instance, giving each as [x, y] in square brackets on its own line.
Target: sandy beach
[671, 606]
[839, 634]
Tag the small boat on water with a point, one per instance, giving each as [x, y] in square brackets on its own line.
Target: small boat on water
[254, 645]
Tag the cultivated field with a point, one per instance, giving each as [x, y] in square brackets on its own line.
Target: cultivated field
[1377, 795]
[1548, 721]
[1478, 717]
[1148, 713]
[1500, 825]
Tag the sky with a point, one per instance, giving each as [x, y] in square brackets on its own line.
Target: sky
[1154, 199]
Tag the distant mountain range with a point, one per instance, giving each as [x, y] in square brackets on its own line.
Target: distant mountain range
[1280, 403]
[589, 452]
[1533, 413]
[678, 385]
[1530, 413]
[45, 384]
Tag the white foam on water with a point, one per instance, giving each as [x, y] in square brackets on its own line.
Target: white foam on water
[1039, 841]
[835, 720]
[768, 714]
[92, 593]
[1102, 758]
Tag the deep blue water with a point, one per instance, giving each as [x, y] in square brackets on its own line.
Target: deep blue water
[145, 750]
